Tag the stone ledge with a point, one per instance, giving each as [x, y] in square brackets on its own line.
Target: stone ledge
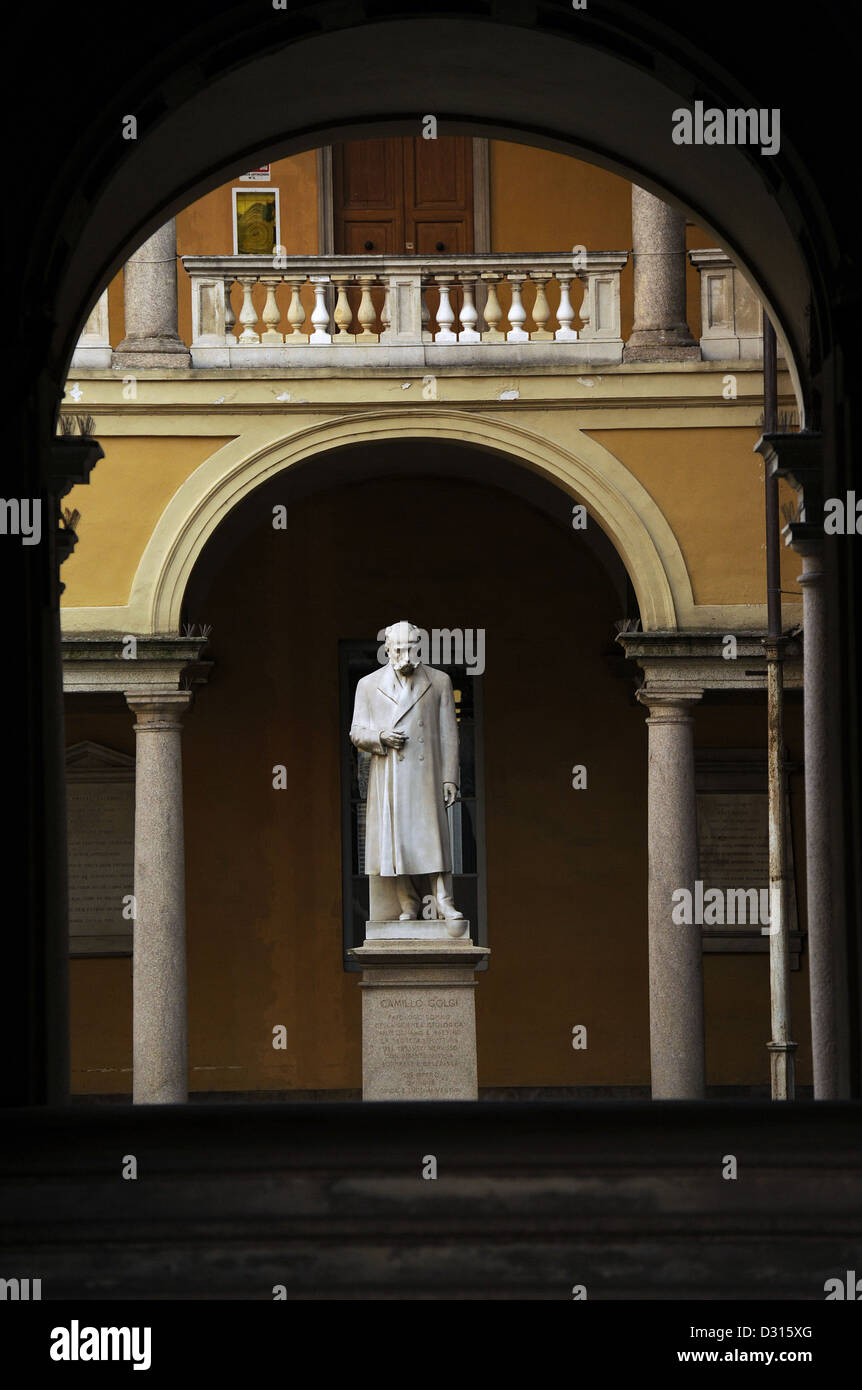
[436, 951]
[326, 1199]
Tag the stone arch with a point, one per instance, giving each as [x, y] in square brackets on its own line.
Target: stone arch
[591, 474]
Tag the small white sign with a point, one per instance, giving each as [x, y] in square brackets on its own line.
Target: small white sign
[260, 175]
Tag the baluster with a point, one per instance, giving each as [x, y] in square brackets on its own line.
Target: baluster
[296, 312]
[585, 311]
[248, 313]
[343, 313]
[385, 314]
[517, 312]
[320, 313]
[565, 313]
[493, 311]
[366, 313]
[427, 335]
[271, 312]
[469, 315]
[445, 312]
[229, 315]
[541, 308]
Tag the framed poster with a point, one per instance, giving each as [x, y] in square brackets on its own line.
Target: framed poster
[255, 221]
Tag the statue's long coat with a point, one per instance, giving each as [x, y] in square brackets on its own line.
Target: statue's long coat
[406, 828]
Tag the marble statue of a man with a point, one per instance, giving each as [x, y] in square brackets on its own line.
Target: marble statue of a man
[404, 716]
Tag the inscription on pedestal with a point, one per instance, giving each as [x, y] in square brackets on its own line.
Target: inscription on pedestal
[419, 1043]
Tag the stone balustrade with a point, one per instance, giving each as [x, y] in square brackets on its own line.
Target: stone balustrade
[473, 309]
[488, 310]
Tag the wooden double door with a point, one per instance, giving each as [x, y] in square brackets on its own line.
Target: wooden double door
[403, 196]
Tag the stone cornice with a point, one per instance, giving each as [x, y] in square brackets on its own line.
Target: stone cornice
[220, 401]
[161, 665]
[688, 663]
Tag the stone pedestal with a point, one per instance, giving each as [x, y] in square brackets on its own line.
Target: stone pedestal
[418, 1011]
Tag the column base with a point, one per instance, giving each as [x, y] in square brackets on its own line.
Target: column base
[419, 1014]
[661, 345]
[151, 352]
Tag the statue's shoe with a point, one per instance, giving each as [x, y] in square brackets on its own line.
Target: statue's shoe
[408, 917]
[447, 908]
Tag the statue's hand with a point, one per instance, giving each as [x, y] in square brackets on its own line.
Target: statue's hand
[392, 740]
[450, 793]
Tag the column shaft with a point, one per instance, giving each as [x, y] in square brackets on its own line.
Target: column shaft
[660, 332]
[675, 951]
[150, 299]
[159, 1027]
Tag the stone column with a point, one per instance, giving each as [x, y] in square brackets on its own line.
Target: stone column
[660, 332]
[160, 1068]
[822, 945]
[150, 297]
[675, 951]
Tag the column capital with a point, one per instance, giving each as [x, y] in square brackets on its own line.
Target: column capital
[669, 706]
[807, 541]
[159, 711]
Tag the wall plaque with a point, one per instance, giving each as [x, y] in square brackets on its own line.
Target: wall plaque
[100, 807]
[733, 845]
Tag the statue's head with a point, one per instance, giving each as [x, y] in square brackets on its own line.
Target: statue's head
[402, 647]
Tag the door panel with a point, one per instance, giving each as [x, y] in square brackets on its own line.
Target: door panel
[439, 238]
[367, 179]
[404, 195]
[357, 235]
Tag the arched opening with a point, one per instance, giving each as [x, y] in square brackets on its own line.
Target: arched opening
[454, 538]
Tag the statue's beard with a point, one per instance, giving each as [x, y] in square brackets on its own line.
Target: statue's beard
[405, 667]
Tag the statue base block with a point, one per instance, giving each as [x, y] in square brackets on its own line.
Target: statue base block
[419, 1015]
[440, 929]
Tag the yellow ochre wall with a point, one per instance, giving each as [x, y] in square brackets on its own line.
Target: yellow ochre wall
[709, 485]
[119, 507]
[566, 869]
[562, 202]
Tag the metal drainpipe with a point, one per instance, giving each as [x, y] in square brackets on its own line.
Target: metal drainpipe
[782, 1051]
